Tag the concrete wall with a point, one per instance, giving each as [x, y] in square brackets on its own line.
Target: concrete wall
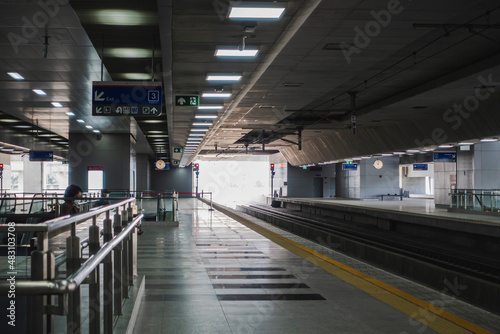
[143, 172]
[487, 165]
[347, 182]
[111, 152]
[301, 181]
[444, 178]
[465, 167]
[414, 181]
[375, 182]
[179, 179]
[328, 173]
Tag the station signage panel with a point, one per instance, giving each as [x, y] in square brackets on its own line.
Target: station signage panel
[420, 167]
[178, 149]
[41, 156]
[122, 98]
[445, 156]
[347, 166]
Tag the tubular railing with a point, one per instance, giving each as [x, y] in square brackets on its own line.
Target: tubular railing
[117, 255]
[486, 200]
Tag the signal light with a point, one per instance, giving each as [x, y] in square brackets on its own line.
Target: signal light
[272, 167]
[1, 170]
[196, 167]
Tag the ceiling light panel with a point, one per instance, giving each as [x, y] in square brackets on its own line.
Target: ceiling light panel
[223, 77]
[255, 12]
[236, 53]
[221, 95]
[15, 75]
[39, 92]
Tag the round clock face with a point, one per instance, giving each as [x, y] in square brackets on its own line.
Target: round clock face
[378, 164]
[160, 164]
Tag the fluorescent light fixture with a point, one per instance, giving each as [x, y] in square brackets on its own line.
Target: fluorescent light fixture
[465, 143]
[445, 146]
[255, 12]
[365, 157]
[122, 17]
[136, 76]
[69, 113]
[80, 121]
[387, 154]
[9, 120]
[202, 124]
[97, 131]
[412, 151]
[206, 116]
[236, 53]
[216, 95]
[7, 149]
[196, 134]
[130, 52]
[88, 126]
[485, 140]
[398, 153]
[199, 130]
[57, 104]
[209, 107]
[39, 92]
[15, 75]
[223, 77]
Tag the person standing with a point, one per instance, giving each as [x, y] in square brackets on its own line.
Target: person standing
[69, 207]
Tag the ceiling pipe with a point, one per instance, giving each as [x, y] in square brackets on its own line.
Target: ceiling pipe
[296, 23]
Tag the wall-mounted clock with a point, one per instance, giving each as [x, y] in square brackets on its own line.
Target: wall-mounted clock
[378, 164]
[160, 164]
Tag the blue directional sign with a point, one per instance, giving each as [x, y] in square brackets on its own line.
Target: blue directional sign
[420, 167]
[118, 98]
[445, 156]
[349, 166]
[41, 156]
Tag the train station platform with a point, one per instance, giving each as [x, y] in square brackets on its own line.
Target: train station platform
[227, 272]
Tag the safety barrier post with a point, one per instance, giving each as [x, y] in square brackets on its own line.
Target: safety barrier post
[73, 262]
[211, 206]
[42, 268]
[117, 252]
[131, 243]
[94, 285]
[108, 279]
[125, 274]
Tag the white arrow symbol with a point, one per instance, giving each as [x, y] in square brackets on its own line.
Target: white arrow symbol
[181, 101]
[99, 97]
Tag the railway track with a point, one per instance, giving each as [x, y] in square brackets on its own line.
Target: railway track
[475, 266]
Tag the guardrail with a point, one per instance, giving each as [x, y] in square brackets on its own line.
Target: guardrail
[485, 200]
[118, 255]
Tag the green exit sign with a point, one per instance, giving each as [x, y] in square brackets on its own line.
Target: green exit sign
[178, 150]
[349, 162]
[177, 162]
[187, 100]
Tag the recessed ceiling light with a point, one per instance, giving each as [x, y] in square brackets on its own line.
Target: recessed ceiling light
[202, 124]
[199, 130]
[255, 12]
[387, 154]
[39, 92]
[157, 136]
[488, 140]
[209, 107]
[122, 17]
[136, 76]
[80, 121]
[223, 77]
[216, 95]
[236, 53]
[130, 52]
[69, 113]
[97, 131]
[206, 116]
[23, 126]
[398, 153]
[9, 120]
[445, 146]
[15, 75]
[57, 104]
[412, 151]
[196, 134]
[88, 126]
[465, 143]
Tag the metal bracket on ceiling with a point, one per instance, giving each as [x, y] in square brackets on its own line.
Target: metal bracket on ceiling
[352, 126]
[299, 137]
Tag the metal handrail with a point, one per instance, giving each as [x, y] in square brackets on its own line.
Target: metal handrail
[73, 281]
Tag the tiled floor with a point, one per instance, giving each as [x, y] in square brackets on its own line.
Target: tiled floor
[214, 275]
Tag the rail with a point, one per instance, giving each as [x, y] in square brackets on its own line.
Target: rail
[118, 255]
[484, 200]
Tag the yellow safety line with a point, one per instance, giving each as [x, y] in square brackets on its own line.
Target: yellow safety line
[424, 312]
